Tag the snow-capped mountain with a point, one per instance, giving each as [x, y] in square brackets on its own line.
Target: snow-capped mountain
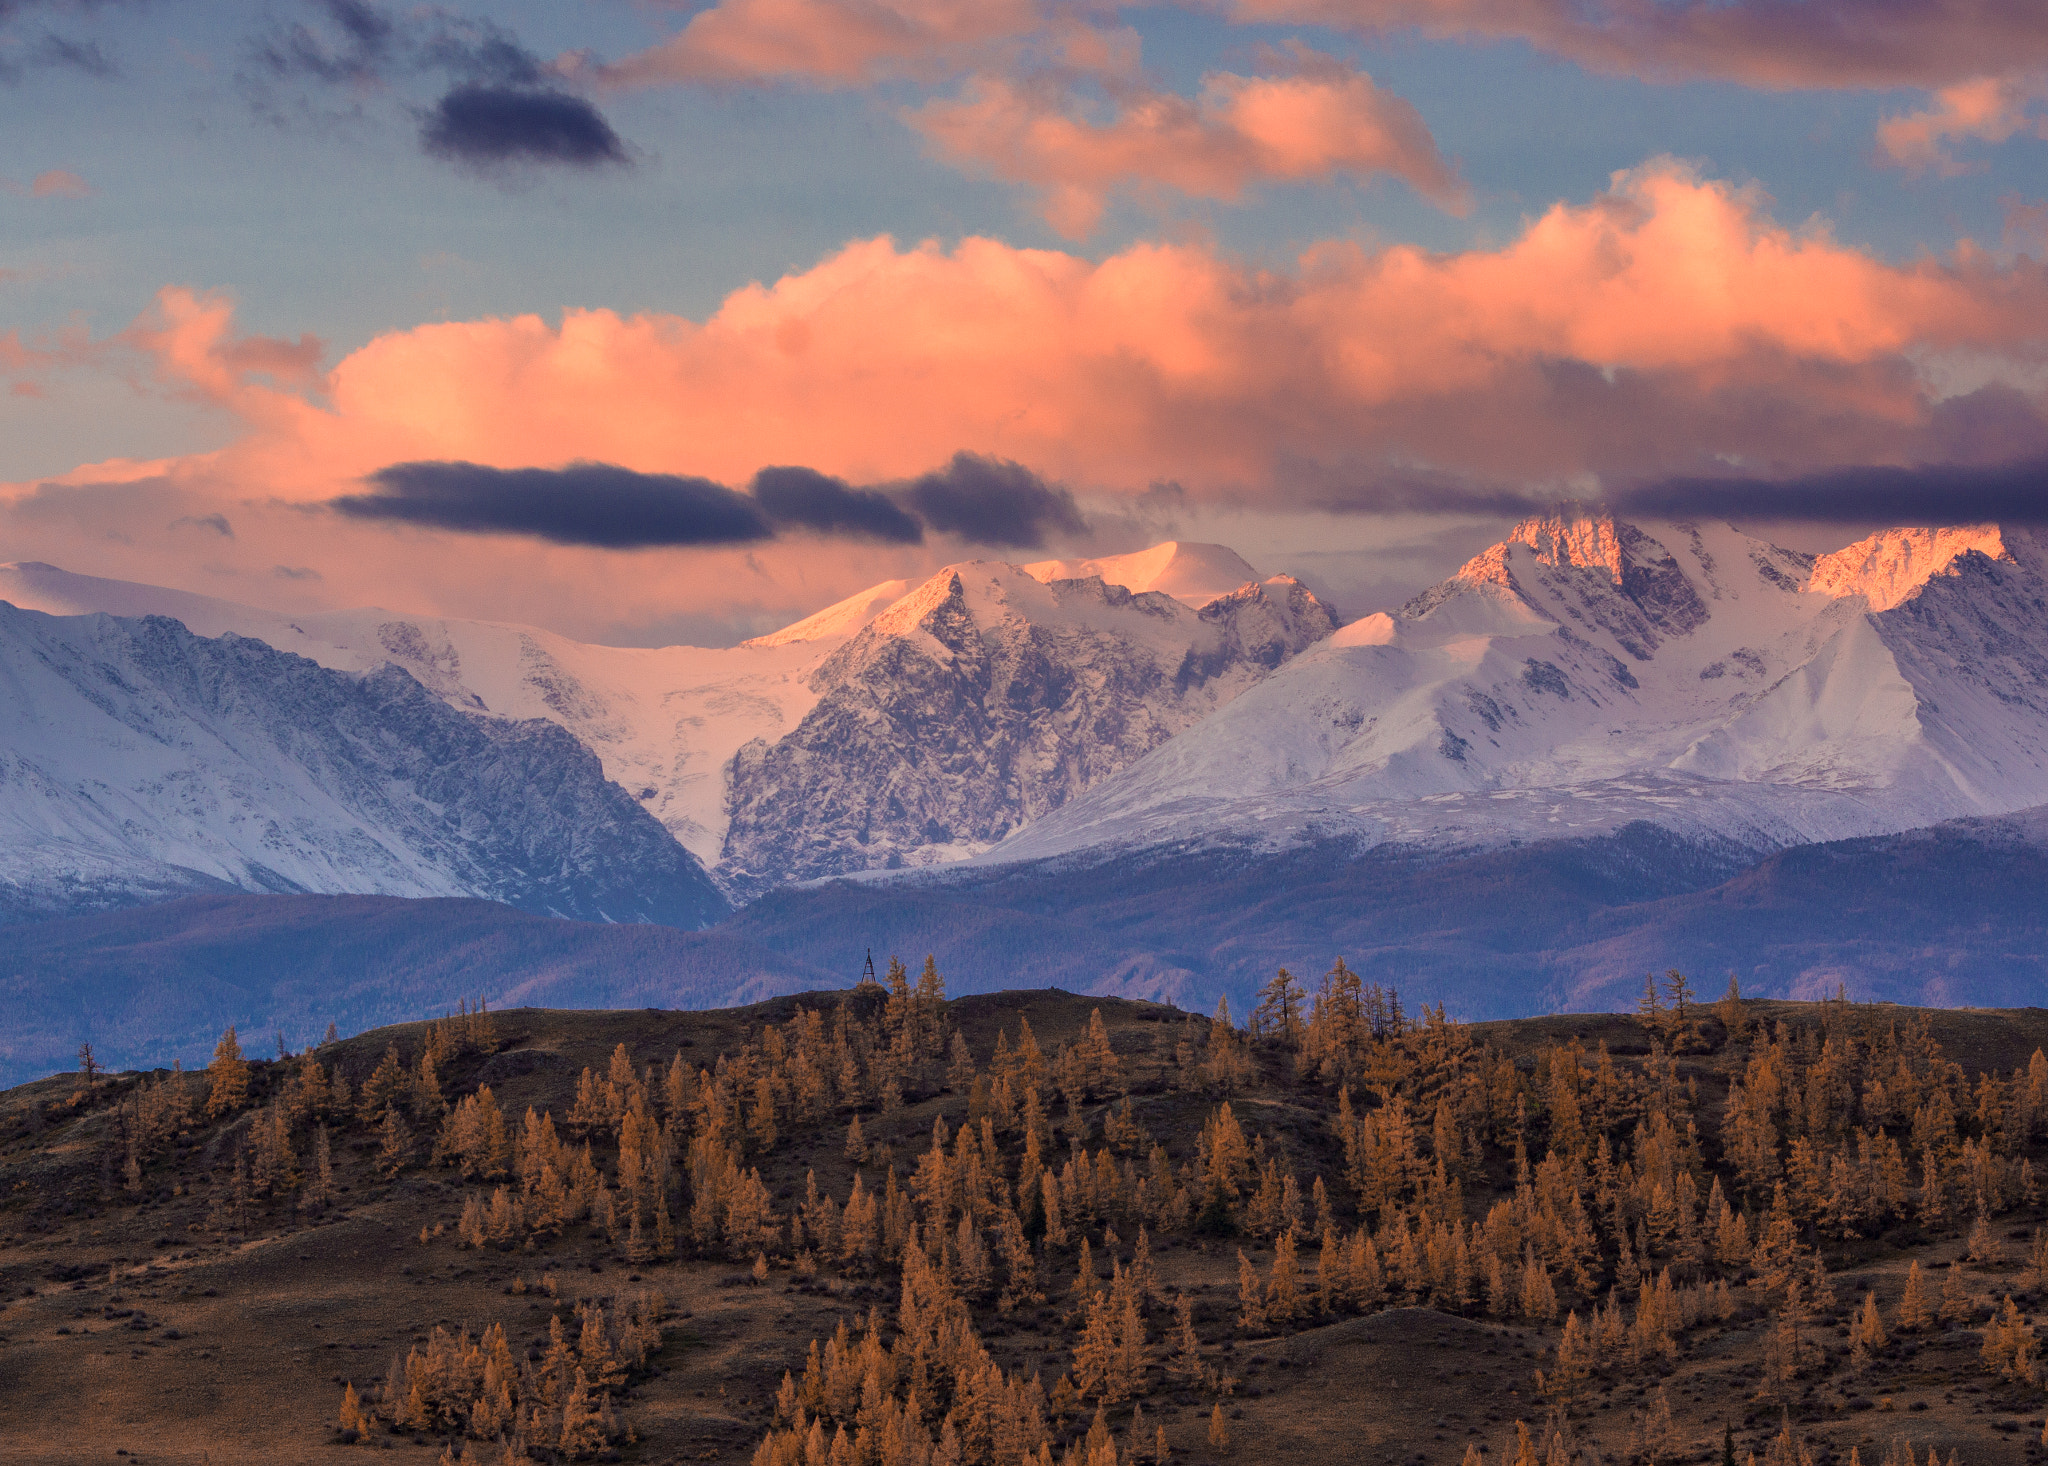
[730, 748]
[665, 721]
[1587, 673]
[1192, 573]
[138, 760]
[983, 700]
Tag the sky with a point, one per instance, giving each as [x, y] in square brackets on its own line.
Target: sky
[652, 323]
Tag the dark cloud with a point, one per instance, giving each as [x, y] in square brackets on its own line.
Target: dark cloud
[355, 47]
[500, 104]
[991, 501]
[581, 504]
[986, 501]
[1930, 494]
[26, 46]
[64, 53]
[296, 572]
[356, 44]
[218, 523]
[488, 126]
[803, 498]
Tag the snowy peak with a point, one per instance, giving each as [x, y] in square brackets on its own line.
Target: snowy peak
[1586, 673]
[841, 619]
[1190, 572]
[982, 700]
[1586, 567]
[1588, 540]
[1890, 566]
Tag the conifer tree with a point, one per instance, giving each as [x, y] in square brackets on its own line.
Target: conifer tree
[1184, 1364]
[230, 1074]
[1983, 1246]
[1251, 1297]
[1955, 1295]
[1914, 1314]
[1283, 1292]
[1866, 1330]
[1730, 1010]
[1219, 1431]
[353, 1417]
[394, 1152]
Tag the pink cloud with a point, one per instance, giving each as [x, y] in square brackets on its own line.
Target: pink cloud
[1762, 43]
[1317, 120]
[826, 42]
[58, 183]
[1667, 325]
[1985, 109]
[191, 342]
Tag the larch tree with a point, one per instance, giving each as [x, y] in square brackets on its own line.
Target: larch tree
[1219, 1431]
[230, 1072]
[1914, 1313]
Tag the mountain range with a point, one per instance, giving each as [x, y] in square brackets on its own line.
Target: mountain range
[975, 701]
[1598, 747]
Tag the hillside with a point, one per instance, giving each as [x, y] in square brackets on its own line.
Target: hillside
[1062, 1229]
[155, 983]
[1954, 914]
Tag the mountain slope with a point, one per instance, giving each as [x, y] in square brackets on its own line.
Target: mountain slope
[742, 750]
[664, 721]
[1587, 673]
[1955, 914]
[982, 701]
[150, 984]
[137, 760]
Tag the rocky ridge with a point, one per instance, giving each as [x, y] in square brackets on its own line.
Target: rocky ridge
[983, 701]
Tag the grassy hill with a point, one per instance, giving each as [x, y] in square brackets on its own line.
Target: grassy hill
[202, 1288]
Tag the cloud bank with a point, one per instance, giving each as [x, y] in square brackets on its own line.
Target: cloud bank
[981, 501]
[1778, 44]
[1667, 326]
[594, 504]
[1921, 494]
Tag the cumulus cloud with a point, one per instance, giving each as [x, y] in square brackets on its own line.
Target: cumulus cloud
[1985, 109]
[991, 501]
[1316, 120]
[1662, 328]
[1760, 43]
[804, 499]
[826, 42]
[595, 504]
[488, 126]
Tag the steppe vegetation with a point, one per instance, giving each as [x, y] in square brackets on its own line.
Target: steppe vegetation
[879, 1228]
